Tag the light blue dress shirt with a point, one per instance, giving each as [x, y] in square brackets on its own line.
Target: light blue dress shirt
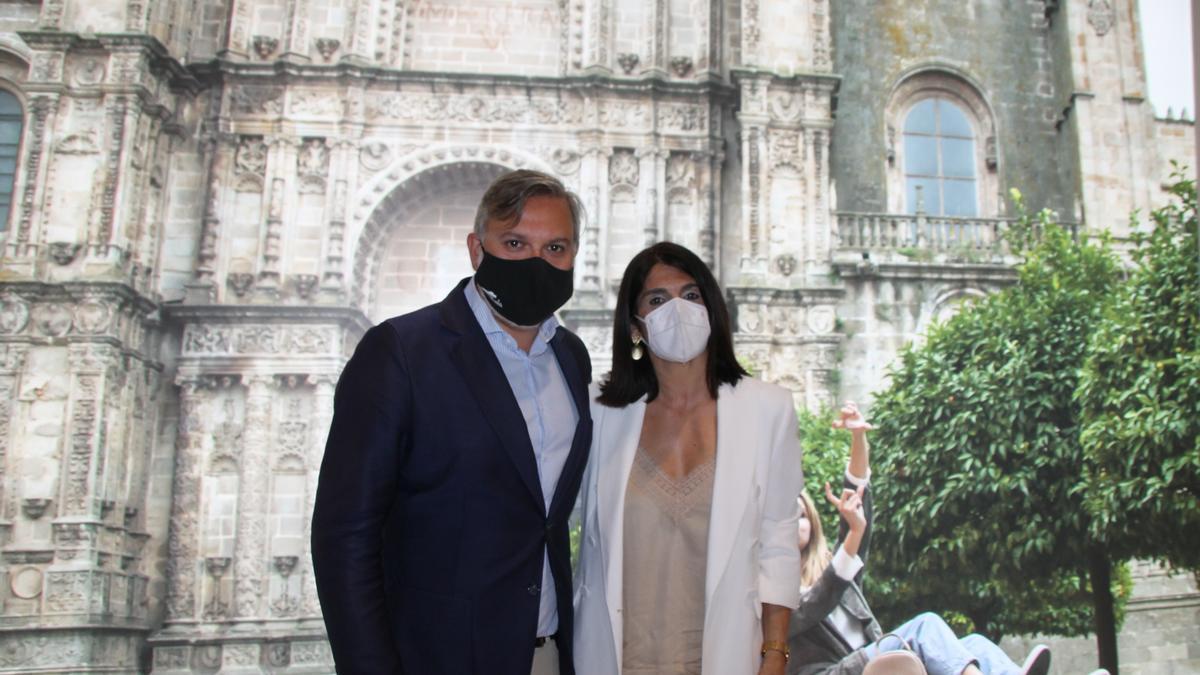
[538, 383]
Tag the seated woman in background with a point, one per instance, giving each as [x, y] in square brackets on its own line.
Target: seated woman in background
[834, 632]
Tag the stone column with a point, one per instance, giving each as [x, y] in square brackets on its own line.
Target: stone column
[754, 120]
[82, 462]
[593, 172]
[297, 42]
[183, 558]
[12, 362]
[322, 414]
[41, 119]
[239, 28]
[251, 545]
[710, 236]
[652, 191]
[210, 228]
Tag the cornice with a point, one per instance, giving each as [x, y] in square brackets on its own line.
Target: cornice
[348, 72]
[278, 314]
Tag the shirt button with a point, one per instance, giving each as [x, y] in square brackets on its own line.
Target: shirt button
[534, 589]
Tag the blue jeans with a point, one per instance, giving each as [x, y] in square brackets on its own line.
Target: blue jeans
[943, 652]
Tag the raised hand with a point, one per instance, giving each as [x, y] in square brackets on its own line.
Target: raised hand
[849, 506]
[850, 418]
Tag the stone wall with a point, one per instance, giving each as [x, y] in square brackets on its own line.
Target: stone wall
[215, 198]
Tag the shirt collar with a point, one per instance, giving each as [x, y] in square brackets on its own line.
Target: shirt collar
[487, 320]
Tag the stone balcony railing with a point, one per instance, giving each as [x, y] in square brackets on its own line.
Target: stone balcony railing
[924, 238]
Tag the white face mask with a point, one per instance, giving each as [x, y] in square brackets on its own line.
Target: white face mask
[677, 330]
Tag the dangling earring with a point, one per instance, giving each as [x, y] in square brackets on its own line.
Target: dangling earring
[638, 351]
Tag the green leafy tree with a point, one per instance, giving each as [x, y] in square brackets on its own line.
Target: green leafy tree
[979, 471]
[1140, 398]
[826, 451]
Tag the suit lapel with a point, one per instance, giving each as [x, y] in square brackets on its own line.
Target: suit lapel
[737, 453]
[579, 445]
[473, 356]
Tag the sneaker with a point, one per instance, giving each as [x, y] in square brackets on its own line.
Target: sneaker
[1100, 671]
[1038, 661]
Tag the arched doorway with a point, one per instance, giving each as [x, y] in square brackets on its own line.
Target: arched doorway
[419, 251]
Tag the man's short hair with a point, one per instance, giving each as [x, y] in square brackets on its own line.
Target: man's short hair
[505, 199]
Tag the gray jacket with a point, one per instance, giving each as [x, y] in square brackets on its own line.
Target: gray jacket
[817, 647]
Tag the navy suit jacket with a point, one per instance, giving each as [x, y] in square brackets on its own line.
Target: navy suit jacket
[429, 526]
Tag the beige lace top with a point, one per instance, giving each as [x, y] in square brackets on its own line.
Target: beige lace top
[666, 545]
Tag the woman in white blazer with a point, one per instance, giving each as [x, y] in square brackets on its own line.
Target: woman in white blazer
[690, 558]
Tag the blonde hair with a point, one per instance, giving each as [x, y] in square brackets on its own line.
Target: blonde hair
[815, 555]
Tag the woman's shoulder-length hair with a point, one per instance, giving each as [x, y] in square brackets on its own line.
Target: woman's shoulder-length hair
[630, 379]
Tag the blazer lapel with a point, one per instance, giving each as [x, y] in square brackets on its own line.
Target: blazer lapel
[477, 363]
[736, 456]
[579, 446]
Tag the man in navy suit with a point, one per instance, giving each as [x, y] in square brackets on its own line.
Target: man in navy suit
[459, 438]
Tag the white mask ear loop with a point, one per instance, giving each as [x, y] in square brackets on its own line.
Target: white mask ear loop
[678, 330]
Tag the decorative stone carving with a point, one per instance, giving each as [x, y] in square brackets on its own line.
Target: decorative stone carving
[240, 283]
[1101, 17]
[681, 174]
[284, 564]
[626, 115]
[93, 316]
[327, 46]
[26, 583]
[34, 508]
[564, 109]
[375, 155]
[628, 61]
[264, 45]
[681, 66]
[313, 159]
[786, 106]
[63, 252]
[53, 320]
[682, 117]
[257, 100]
[305, 284]
[566, 162]
[314, 103]
[623, 169]
[786, 264]
[14, 314]
[250, 164]
[279, 654]
[821, 319]
[89, 72]
[82, 143]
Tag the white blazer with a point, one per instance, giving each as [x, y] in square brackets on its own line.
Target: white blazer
[753, 545]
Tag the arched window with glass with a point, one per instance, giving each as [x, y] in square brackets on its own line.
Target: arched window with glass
[12, 120]
[940, 160]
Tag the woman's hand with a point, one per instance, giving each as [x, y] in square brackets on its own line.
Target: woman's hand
[773, 663]
[860, 455]
[849, 505]
[851, 419]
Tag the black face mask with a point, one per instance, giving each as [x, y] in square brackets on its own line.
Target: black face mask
[525, 291]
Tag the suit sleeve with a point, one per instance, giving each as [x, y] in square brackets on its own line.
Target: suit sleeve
[355, 492]
[818, 601]
[779, 556]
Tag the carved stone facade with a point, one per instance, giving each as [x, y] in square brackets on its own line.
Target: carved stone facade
[215, 198]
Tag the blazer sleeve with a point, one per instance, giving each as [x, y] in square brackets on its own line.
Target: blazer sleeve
[864, 547]
[355, 492]
[818, 601]
[779, 555]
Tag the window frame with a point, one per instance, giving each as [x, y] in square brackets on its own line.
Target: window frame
[939, 82]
